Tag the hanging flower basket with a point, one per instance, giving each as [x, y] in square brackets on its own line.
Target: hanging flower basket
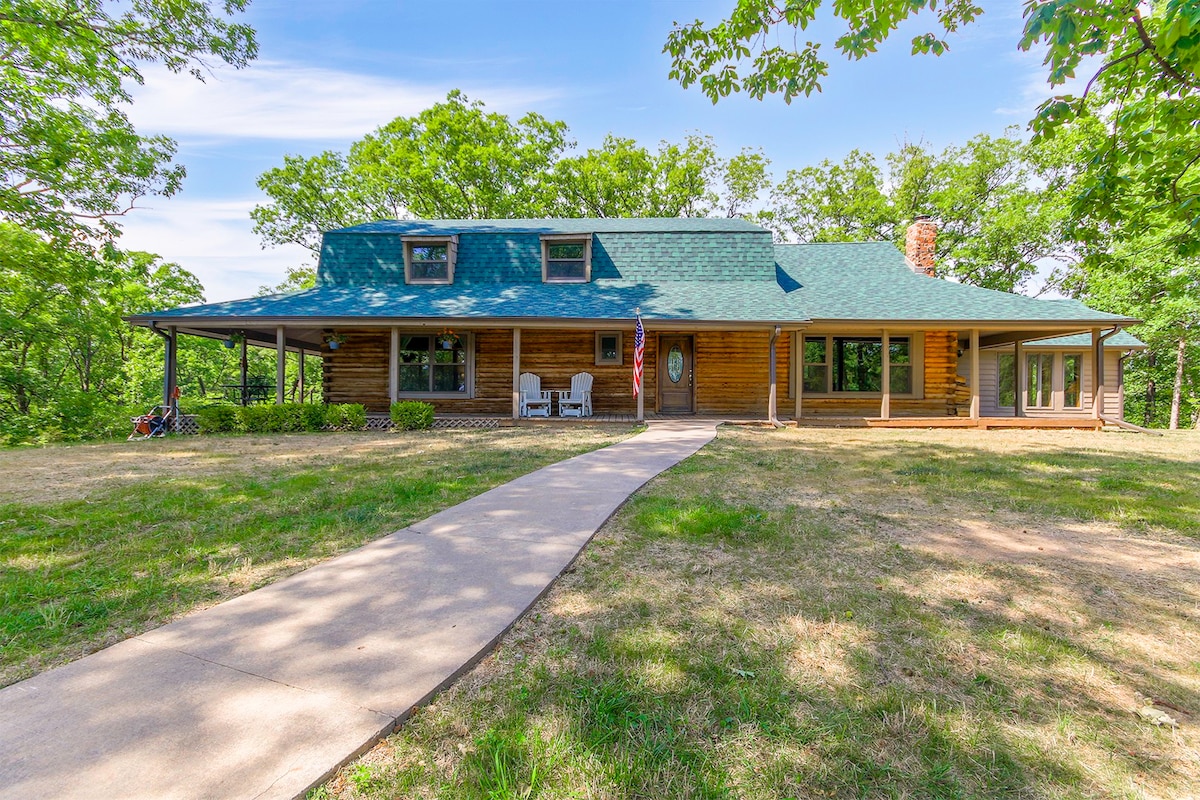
[334, 340]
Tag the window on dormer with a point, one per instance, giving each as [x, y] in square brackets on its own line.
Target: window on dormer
[429, 259]
[430, 262]
[566, 259]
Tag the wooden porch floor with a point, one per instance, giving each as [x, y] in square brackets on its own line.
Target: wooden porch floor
[984, 423]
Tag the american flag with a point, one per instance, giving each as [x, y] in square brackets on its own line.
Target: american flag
[639, 352]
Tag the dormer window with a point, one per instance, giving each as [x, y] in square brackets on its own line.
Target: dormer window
[429, 259]
[566, 258]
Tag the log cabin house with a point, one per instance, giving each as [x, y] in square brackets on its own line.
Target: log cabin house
[453, 311]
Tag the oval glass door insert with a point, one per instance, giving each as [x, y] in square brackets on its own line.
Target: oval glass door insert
[675, 364]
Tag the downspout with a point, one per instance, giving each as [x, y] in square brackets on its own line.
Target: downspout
[772, 416]
[1098, 381]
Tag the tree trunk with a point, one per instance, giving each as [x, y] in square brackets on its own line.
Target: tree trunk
[1177, 391]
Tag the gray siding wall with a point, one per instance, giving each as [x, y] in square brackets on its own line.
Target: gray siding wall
[989, 390]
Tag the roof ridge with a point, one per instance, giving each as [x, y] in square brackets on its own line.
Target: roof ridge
[839, 244]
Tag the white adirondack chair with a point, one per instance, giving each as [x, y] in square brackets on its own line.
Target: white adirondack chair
[534, 402]
[578, 401]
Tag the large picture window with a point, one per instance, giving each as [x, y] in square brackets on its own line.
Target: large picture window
[433, 364]
[854, 364]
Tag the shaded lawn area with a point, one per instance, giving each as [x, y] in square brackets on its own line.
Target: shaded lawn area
[824, 613]
[101, 542]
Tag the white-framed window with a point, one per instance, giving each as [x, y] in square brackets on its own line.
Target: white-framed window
[608, 348]
[1006, 380]
[816, 365]
[1039, 380]
[1072, 380]
[429, 259]
[566, 258]
[435, 364]
[854, 364]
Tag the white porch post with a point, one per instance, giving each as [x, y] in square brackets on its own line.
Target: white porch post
[885, 405]
[974, 373]
[394, 367]
[1097, 373]
[280, 363]
[516, 390]
[1019, 377]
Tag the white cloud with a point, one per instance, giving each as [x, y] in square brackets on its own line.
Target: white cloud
[279, 100]
[214, 240]
[1033, 86]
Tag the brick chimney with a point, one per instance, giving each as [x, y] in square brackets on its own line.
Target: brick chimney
[919, 243]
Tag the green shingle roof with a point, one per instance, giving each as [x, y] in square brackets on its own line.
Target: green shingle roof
[872, 281]
[375, 258]
[715, 270]
[1123, 340]
[729, 301]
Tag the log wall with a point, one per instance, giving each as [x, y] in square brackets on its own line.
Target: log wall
[733, 372]
[732, 369]
[357, 372]
[941, 368]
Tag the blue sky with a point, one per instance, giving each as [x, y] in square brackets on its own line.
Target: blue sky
[328, 73]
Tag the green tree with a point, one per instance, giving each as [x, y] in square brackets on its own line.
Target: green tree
[70, 161]
[998, 205]
[1142, 58]
[452, 160]
[456, 161]
[623, 179]
[67, 357]
[1141, 274]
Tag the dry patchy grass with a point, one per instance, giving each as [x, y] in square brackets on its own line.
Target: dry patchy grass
[824, 613]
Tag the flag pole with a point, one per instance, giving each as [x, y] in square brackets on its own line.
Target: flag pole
[638, 356]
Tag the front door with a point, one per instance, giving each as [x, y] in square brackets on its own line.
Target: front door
[675, 374]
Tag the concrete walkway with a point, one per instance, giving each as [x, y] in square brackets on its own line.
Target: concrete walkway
[265, 695]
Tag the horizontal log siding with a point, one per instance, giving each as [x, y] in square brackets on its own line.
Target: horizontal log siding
[733, 370]
[941, 368]
[357, 372]
[940, 364]
[556, 355]
[493, 377]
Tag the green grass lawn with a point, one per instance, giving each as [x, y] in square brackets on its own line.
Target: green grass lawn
[101, 542]
[819, 613]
